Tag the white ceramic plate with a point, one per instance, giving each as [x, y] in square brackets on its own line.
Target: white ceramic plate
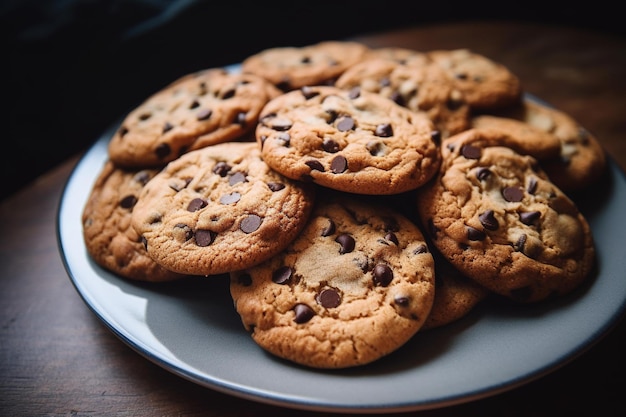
[192, 329]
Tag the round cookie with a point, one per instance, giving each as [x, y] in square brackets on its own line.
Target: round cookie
[353, 141]
[417, 84]
[197, 110]
[581, 161]
[499, 220]
[485, 84]
[109, 237]
[353, 287]
[220, 208]
[292, 67]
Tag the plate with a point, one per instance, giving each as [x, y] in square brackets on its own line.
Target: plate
[192, 329]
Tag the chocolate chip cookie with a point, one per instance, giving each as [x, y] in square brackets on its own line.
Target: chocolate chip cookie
[199, 109]
[353, 287]
[109, 238]
[293, 67]
[220, 208]
[352, 141]
[417, 84]
[496, 216]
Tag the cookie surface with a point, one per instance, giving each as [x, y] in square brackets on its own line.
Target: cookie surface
[581, 160]
[109, 237]
[352, 141]
[353, 287]
[219, 208]
[197, 110]
[417, 84]
[292, 67]
[485, 84]
[499, 220]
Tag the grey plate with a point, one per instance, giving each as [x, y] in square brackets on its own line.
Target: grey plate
[192, 329]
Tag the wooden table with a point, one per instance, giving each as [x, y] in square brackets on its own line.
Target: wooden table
[57, 358]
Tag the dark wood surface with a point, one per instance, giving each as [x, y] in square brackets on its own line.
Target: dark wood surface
[57, 358]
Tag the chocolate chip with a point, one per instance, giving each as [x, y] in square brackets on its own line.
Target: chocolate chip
[308, 92]
[237, 177]
[196, 204]
[282, 275]
[529, 217]
[123, 131]
[230, 198]
[204, 114]
[228, 94]
[521, 241]
[328, 298]
[145, 116]
[471, 152]
[250, 223]
[330, 145]
[401, 300]
[347, 243]
[435, 136]
[420, 249]
[128, 202]
[275, 186]
[392, 237]
[376, 148]
[167, 127]
[397, 98]
[513, 194]
[532, 186]
[142, 177]
[284, 138]
[339, 164]
[383, 275]
[315, 165]
[221, 169]
[194, 105]
[240, 119]
[204, 237]
[355, 92]
[482, 174]
[475, 234]
[488, 220]
[330, 229]
[162, 150]
[281, 125]
[345, 123]
[384, 130]
[303, 312]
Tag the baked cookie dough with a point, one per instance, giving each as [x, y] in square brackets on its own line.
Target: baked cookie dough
[353, 141]
[220, 208]
[353, 287]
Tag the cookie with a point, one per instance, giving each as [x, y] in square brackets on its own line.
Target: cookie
[417, 84]
[220, 208]
[109, 238]
[497, 218]
[396, 53]
[516, 134]
[581, 160]
[485, 84]
[456, 296]
[353, 287]
[293, 67]
[197, 110]
[352, 141]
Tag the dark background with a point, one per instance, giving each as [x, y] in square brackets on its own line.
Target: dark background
[73, 67]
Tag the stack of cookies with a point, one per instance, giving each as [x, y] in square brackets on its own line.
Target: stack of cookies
[352, 196]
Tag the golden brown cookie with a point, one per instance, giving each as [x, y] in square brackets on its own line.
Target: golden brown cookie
[220, 208]
[197, 110]
[109, 237]
[581, 160]
[496, 216]
[419, 85]
[292, 67]
[353, 287]
[353, 141]
[485, 84]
